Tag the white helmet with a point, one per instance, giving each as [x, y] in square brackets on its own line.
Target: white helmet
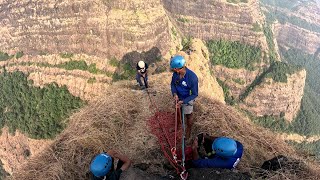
[141, 64]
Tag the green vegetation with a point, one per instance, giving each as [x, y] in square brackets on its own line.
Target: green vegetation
[288, 4]
[228, 98]
[40, 113]
[234, 54]
[183, 20]
[66, 55]
[174, 32]
[5, 56]
[307, 121]
[71, 65]
[256, 27]
[114, 62]
[81, 65]
[186, 42]
[126, 71]
[92, 80]
[312, 149]
[277, 124]
[278, 71]
[269, 36]
[19, 54]
[239, 81]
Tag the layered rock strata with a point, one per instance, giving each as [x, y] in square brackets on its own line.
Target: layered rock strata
[277, 99]
[101, 28]
[218, 20]
[291, 36]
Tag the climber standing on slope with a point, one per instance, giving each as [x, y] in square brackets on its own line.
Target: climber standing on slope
[102, 167]
[184, 88]
[142, 72]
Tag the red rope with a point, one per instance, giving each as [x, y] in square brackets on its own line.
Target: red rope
[160, 125]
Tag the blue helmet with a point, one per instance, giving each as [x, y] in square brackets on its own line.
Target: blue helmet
[177, 61]
[101, 165]
[224, 147]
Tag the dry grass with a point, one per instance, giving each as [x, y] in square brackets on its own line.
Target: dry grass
[118, 121]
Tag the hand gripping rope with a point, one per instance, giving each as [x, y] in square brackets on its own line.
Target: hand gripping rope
[160, 125]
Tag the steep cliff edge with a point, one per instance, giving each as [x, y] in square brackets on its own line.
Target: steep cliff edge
[101, 28]
[198, 62]
[276, 98]
[219, 20]
[292, 36]
[126, 130]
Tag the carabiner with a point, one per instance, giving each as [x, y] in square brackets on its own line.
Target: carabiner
[184, 175]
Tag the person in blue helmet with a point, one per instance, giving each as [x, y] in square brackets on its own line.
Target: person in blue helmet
[142, 72]
[102, 166]
[184, 88]
[216, 152]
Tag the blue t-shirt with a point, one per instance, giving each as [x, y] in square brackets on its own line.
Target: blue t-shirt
[187, 87]
[220, 162]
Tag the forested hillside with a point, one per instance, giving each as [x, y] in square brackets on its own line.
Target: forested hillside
[38, 112]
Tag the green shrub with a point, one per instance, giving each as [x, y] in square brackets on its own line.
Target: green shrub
[91, 80]
[279, 71]
[5, 56]
[234, 54]
[228, 98]
[186, 43]
[40, 113]
[307, 121]
[125, 72]
[269, 36]
[114, 62]
[66, 55]
[239, 81]
[183, 20]
[256, 27]
[19, 54]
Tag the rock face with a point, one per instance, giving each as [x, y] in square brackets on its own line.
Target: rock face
[207, 19]
[198, 62]
[292, 36]
[237, 80]
[277, 99]
[105, 28]
[16, 149]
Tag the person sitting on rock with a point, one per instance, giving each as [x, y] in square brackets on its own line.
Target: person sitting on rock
[142, 68]
[216, 152]
[102, 166]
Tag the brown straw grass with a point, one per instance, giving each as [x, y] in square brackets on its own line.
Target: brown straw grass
[118, 121]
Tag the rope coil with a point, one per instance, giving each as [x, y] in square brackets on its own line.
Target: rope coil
[160, 125]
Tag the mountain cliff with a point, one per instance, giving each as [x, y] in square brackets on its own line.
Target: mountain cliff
[102, 28]
[91, 45]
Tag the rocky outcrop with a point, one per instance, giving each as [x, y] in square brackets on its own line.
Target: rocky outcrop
[198, 62]
[102, 28]
[207, 19]
[18, 148]
[277, 99]
[291, 36]
[237, 80]
[75, 80]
